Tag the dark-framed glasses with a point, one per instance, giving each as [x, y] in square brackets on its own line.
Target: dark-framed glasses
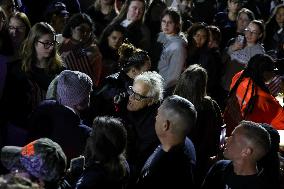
[135, 95]
[47, 44]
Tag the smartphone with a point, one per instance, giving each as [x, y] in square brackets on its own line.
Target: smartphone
[241, 39]
[223, 136]
[77, 164]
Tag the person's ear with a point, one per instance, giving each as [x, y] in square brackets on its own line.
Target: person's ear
[247, 152]
[167, 125]
[151, 102]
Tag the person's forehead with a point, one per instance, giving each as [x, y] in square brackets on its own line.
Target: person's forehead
[140, 87]
[136, 3]
[253, 26]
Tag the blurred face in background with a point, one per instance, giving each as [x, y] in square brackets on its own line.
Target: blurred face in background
[234, 6]
[115, 39]
[135, 11]
[81, 33]
[279, 17]
[200, 38]
[242, 22]
[185, 7]
[9, 7]
[58, 22]
[17, 30]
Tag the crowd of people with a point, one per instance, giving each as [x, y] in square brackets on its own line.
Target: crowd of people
[140, 94]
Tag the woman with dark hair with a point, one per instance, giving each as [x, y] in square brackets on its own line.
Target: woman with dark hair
[254, 100]
[111, 97]
[28, 78]
[205, 135]
[131, 17]
[198, 38]
[109, 44]
[102, 13]
[106, 166]
[274, 38]
[79, 49]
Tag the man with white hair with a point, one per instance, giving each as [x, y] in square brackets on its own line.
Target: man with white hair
[145, 97]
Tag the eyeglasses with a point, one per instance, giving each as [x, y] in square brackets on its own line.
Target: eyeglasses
[47, 44]
[135, 95]
[17, 28]
[251, 32]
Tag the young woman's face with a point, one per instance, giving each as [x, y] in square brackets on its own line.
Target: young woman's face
[252, 33]
[135, 11]
[115, 39]
[81, 33]
[44, 46]
[17, 30]
[168, 26]
[279, 17]
[242, 22]
[233, 6]
[200, 38]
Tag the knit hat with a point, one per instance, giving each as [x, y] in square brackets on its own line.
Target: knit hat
[73, 87]
[42, 158]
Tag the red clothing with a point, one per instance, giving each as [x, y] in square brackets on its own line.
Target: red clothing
[266, 109]
[85, 58]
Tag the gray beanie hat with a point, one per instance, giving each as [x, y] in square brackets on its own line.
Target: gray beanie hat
[73, 87]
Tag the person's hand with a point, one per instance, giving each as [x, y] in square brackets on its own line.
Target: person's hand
[237, 46]
[119, 97]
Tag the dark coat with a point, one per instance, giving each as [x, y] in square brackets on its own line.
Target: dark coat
[61, 124]
[96, 176]
[172, 169]
[142, 138]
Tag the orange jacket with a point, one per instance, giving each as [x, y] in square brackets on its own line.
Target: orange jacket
[266, 109]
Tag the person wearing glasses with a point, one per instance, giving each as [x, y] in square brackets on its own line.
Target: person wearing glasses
[28, 78]
[111, 97]
[240, 52]
[145, 96]
[18, 28]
